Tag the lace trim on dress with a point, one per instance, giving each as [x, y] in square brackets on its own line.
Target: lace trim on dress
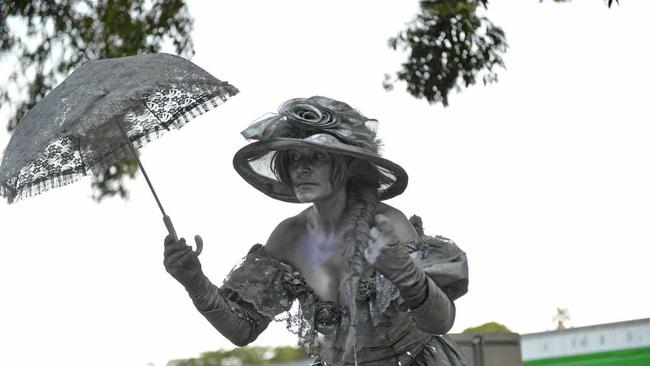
[264, 285]
[441, 260]
[259, 281]
[271, 287]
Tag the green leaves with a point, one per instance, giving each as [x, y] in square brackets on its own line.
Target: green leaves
[490, 327]
[111, 181]
[251, 355]
[449, 46]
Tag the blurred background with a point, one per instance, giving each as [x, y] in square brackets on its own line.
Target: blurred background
[523, 127]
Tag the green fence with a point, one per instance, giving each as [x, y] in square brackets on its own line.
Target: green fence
[628, 357]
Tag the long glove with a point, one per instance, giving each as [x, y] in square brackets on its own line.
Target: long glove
[431, 308]
[183, 264]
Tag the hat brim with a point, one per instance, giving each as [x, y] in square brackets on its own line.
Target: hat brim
[272, 187]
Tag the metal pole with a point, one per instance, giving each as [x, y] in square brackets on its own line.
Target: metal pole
[166, 219]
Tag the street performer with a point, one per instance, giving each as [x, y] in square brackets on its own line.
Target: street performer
[371, 288]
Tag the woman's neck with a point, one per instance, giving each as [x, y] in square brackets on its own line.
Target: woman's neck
[329, 214]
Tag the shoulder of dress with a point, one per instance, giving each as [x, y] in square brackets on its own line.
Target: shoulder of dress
[260, 267]
[426, 243]
[416, 221]
[260, 257]
[441, 259]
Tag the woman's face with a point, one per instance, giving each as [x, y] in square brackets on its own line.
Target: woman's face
[310, 170]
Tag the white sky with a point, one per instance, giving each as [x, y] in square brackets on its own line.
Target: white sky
[541, 178]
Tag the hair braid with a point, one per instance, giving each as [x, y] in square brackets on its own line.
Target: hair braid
[361, 209]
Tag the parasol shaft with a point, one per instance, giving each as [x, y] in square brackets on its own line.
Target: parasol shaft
[166, 219]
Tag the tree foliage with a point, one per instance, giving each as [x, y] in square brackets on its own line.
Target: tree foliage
[491, 327]
[609, 2]
[449, 46]
[249, 356]
[51, 38]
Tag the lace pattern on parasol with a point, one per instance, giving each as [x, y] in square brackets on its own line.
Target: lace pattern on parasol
[60, 161]
[71, 157]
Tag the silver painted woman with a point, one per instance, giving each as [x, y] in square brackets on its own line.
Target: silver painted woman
[370, 287]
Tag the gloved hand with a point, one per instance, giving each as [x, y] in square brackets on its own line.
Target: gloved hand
[183, 264]
[391, 258]
[429, 306]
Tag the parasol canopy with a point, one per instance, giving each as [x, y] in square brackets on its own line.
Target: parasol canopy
[75, 129]
[99, 114]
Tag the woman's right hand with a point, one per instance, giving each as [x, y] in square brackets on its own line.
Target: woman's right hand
[182, 262]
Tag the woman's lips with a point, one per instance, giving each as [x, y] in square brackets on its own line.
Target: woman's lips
[300, 185]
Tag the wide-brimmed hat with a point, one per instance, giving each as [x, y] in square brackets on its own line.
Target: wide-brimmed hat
[316, 122]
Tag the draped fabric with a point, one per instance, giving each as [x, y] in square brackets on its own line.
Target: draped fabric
[264, 285]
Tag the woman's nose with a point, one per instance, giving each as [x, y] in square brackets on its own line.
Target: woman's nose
[304, 167]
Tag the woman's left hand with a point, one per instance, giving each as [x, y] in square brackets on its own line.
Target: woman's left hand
[390, 256]
[385, 250]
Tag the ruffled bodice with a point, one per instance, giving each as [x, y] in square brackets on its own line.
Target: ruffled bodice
[262, 286]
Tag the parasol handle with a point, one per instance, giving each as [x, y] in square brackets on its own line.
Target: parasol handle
[166, 219]
[172, 232]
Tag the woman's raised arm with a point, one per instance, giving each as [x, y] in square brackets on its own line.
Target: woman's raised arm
[240, 327]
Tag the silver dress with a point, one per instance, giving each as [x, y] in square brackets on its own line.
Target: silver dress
[262, 288]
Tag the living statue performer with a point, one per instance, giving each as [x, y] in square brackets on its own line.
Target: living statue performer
[372, 289]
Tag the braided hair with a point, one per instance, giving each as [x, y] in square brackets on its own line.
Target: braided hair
[362, 189]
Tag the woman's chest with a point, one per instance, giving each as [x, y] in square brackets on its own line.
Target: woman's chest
[323, 269]
[325, 281]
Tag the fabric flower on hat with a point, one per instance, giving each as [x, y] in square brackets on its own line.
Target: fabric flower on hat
[301, 117]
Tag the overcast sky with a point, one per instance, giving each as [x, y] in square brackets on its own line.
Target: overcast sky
[541, 178]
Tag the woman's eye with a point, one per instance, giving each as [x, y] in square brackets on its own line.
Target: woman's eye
[319, 156]
[294, 157]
